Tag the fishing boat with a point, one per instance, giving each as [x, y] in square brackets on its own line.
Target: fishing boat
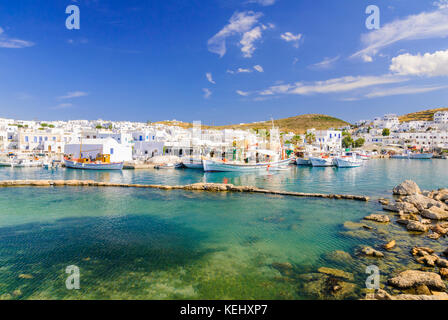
[96, 165]
[348, 161]
[26, 163]
[400, 156]
[322, 161]
[221, 166]
[303, 162]
[421, 155]
[168, 166]
[192, 163]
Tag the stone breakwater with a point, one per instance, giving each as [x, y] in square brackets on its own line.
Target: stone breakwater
[208, 187]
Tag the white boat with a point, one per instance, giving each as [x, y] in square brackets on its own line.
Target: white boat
[192, 163]
[6, 163]
[93, 166]
[322, 161]
[348, 161]
[303, 162]
[400, 156]
[220, 166]
[26, 163]
[421, 156]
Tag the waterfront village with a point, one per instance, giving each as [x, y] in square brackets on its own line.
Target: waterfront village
[137, 143]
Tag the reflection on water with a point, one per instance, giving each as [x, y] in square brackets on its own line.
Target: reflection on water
[154, 244]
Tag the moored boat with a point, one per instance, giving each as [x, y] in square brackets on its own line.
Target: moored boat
[303, 162]
[93, 165]
[192, 163]
[348, 162]
[421, 156]
[399, 156]
[220, 166]
[322, 161]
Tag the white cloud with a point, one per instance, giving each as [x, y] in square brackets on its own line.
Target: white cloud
[290, 37]
[9, 43]
[63, 106]
[336, 85]
[403, 90]
[264, 3]
[207, 93]
[430, 64]
[425, 25]
[242, 93]
[210, 77]
[74, 94]
[442, 4]
[248, 40]
[240, 23]
[259, 68]
[326, 63]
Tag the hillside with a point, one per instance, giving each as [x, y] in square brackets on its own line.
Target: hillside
[297, 124]
[426, 115]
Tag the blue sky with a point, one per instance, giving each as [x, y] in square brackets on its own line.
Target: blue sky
[221, 61]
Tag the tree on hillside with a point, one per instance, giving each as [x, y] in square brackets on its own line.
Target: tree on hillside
[386, 132]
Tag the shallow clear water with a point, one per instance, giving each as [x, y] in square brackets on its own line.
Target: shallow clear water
[153, 244]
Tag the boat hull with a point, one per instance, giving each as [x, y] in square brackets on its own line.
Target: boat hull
[422, 156]
[399, 156]
[193, 164]
[348, 163]
[94, 166]
[216, 166]
[303, 162]
[321, 162]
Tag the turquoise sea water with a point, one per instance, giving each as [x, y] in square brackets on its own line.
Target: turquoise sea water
[153, 244]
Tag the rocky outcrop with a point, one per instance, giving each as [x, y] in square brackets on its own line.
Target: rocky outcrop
[401, 207]
[435, 213]
[414, 278]
[406, 188]
[381, 294]
[378, 218]
[390, 245]
[416, 226]
[370, 252]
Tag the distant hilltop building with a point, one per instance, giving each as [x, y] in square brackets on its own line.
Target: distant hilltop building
[419, 134]
[441, 117]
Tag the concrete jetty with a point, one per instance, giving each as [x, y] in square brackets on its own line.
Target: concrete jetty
[207, 187]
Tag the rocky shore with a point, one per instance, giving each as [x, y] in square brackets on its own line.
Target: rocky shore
[406, 242]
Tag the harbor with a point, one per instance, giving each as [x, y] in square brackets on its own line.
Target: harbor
[190, 244]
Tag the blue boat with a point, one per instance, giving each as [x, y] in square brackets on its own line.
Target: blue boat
[93, 165]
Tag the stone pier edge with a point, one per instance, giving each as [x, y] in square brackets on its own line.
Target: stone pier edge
[209, 187]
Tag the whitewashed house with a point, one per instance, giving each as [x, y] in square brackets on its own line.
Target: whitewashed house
[91, 148]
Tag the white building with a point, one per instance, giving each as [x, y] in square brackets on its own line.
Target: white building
[91, 148]
[441, 117]
[327, 140]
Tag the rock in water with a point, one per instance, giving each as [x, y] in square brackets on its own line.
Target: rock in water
[444, 273]
[401, 207]
[378, 218]
[435, 213]
[414, 278]
[369, 251]
[336, 273]
[416, 226]
[390, 245]
[407, 188]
